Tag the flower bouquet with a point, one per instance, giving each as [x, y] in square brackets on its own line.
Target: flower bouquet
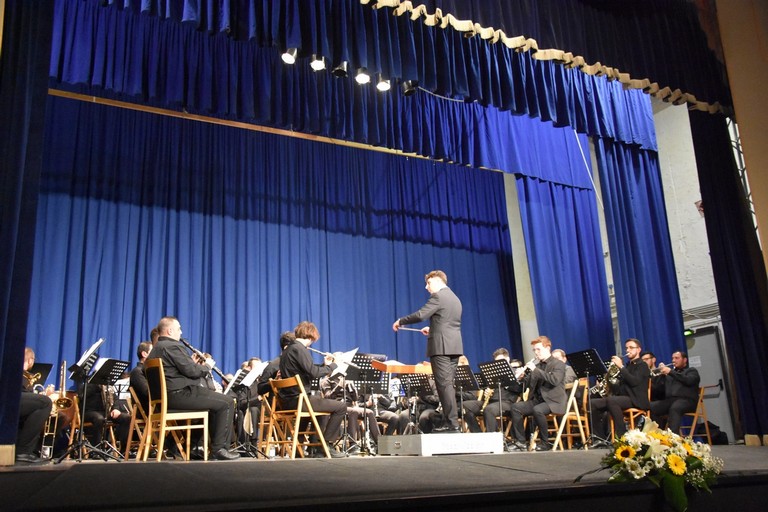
[666, 459]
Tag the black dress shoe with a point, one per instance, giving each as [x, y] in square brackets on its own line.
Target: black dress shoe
[543, 446]
[28, 458]
[446, 429]
[224, 454]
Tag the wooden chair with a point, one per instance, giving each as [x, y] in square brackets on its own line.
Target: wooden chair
[558, 421]
[138, 426]
[285, 430]
[161, 421]
[574, 414]
[633, 414]
[699, 413]
[266, 430]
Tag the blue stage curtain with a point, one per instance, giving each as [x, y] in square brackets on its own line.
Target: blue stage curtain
[565, 258]
[647, 297]
[739, 269]
[23, 79]
[665, 41]
[243, 234]
[171, 65]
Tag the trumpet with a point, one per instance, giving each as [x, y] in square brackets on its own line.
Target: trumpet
[655, 372]
[30, 380]
[201, 354]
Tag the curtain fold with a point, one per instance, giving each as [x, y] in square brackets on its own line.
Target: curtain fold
[242, 235]
[173, 66]
[647, 297]
[565, 258]
[23, 79]
[740, 276]
[657, 41]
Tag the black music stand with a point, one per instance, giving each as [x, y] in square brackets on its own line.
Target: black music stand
[106, 373]
[414, 384]
[241, 384]
[495, 373]
[464, 381]
[585, 364]
[79, 373]
[368, 380]
[44, 369]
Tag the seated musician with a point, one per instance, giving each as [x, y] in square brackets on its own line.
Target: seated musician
[337, 387]
[657, 383]
[681, 392]
[385, 409]
[631, 390]
[546, 384]
[34, 410]
[488, 402]
[182, 380]
[138, 379]
[297, 361]
[570, 374]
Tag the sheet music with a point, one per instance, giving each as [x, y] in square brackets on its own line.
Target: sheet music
[232, 382]
[254, 374]
[343, 361]
[88, 353]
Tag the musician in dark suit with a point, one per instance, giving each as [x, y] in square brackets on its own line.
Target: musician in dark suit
[34, 410]
[546, 395]
[630, 391]
[182, 381]
[681, 391]
[444, 345]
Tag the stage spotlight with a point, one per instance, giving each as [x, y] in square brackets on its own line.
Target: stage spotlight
[289, 57]
[409, 87]
[382, 83]
[317, 63]
[340, 71]
[362, 77]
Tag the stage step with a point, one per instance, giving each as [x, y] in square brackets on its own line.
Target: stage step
[441, 444]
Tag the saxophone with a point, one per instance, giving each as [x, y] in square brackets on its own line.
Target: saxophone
[487, 393]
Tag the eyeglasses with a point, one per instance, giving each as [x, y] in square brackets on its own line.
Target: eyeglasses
[631, 347]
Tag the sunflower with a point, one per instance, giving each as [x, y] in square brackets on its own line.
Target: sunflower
[663, 439]
[624, 452]
[676, 464]
[688, 449]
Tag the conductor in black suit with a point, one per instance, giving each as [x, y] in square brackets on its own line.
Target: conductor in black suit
[444, 346]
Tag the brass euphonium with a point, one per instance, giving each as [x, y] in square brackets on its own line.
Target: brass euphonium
[611, 378]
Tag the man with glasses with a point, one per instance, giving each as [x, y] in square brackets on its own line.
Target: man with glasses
[630, 391]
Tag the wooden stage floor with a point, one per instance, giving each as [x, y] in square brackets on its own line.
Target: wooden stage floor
[543, 480]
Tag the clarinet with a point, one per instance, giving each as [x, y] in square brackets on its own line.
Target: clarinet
[201, 354]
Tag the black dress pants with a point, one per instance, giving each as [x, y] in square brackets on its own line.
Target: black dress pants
[221, 411]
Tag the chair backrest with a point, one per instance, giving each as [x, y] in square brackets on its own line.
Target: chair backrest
[290, 382]
[141, 413]
[153, 369]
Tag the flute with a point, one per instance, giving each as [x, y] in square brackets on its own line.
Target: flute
[201, 354]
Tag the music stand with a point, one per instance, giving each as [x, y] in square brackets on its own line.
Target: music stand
[585, 364]
[464, 380]
[414, 384]
[495, 373]
[44, 369]
[241, 383]
[106, 372]
[368, 380]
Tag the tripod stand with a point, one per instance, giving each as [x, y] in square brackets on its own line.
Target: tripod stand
[241, 385]
[80, 374]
